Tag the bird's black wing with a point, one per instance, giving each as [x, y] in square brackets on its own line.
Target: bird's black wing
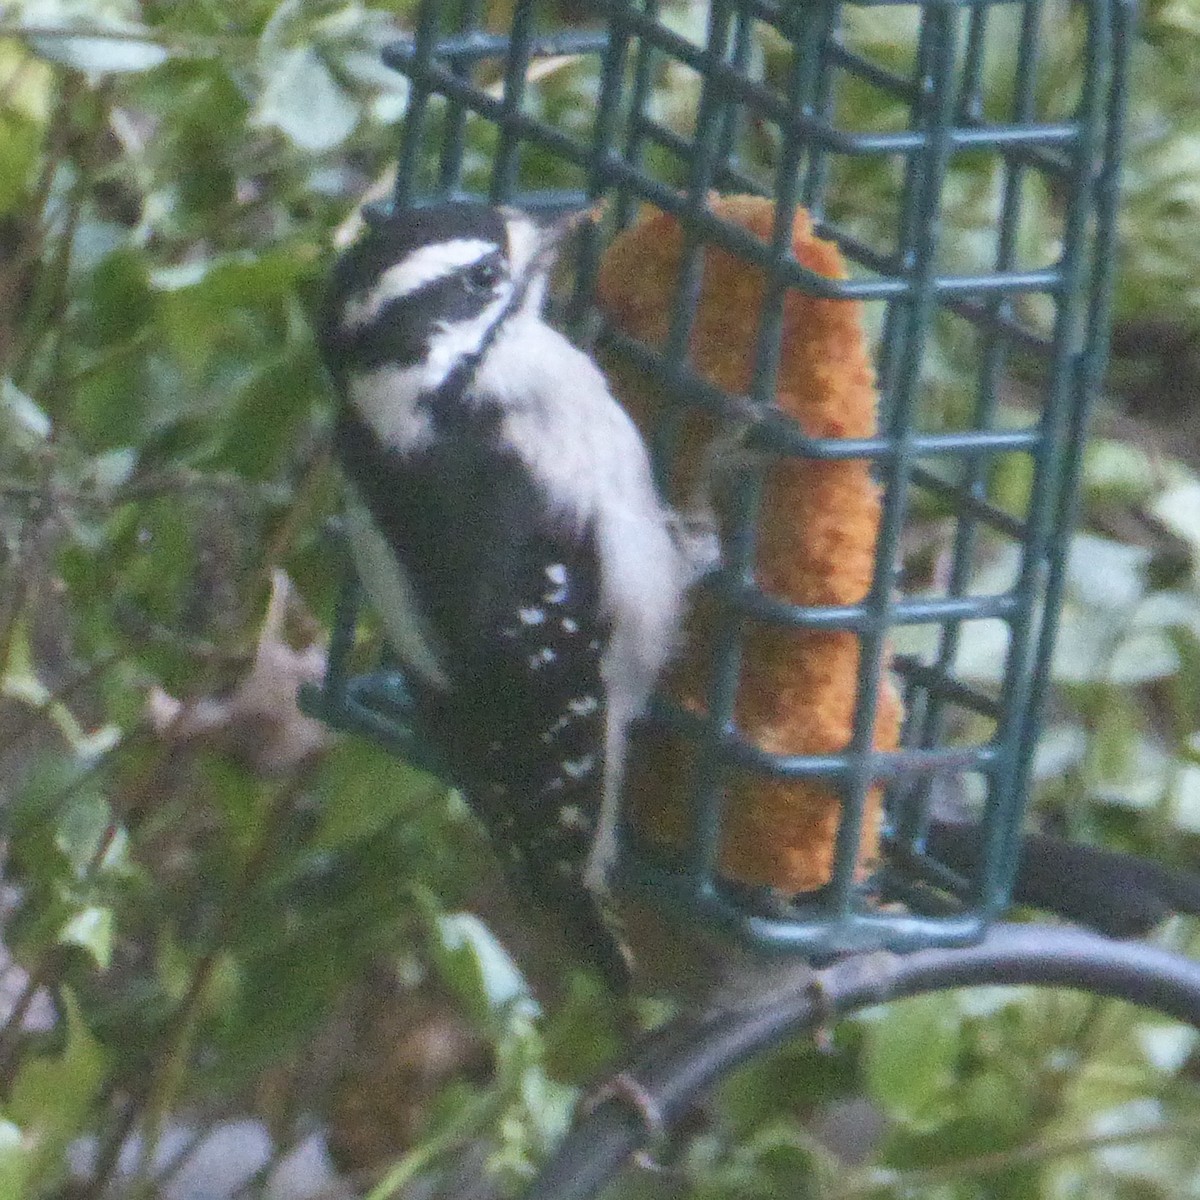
[514, 600]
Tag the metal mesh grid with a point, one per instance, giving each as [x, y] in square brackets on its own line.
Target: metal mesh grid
[788, 122]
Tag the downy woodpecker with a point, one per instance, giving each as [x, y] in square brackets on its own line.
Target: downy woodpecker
[506, 526]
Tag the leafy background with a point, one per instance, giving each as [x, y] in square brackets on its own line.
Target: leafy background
[243, 957]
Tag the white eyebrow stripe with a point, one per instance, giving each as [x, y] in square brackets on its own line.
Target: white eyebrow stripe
[412, 273]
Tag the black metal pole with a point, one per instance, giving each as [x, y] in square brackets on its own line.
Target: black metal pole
[691, 1053]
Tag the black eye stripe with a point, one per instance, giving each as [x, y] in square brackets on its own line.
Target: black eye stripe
[433, 296]
[400, 333]
[483, 276]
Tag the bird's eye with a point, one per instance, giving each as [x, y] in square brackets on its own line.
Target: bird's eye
[484, 276]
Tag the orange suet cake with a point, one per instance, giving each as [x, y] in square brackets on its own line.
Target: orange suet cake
[817, 532]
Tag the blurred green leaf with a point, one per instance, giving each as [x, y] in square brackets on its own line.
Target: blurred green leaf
[110, 469]
[83, 831]
[158, 574]
[1119, 471]
[910, 1055]
[52, 1097]
[110, 406]
[14, 1162]
[241, 279]
[1157, 262]
[1178, 508]
[92, 929]
[20, 142]
[580, 1035]
[282, 994]
[364, 790]
[23, 421]
[116, 298]
[1167, 1047]
[303, 101]
[265, 413]
[112, 53]
[1105, 574]
[480, 971]
[1185, 799]
[242, 802]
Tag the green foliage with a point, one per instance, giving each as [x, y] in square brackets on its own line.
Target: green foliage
[51, 1096]
[202, 882]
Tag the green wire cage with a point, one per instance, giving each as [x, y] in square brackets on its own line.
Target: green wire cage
[797, 102]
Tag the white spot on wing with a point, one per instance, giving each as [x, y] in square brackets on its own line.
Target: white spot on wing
[573, 817]
[532, 616]
[583, 706]
[577, 768]
[557, 574]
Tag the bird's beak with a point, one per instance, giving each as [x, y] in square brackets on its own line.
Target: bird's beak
[555, 235]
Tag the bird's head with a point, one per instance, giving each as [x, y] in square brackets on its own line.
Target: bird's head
[424, 288]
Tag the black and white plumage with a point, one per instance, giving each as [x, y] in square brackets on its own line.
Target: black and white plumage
[506, 525]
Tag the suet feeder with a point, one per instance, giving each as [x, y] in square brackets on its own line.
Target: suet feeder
[797, 103]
